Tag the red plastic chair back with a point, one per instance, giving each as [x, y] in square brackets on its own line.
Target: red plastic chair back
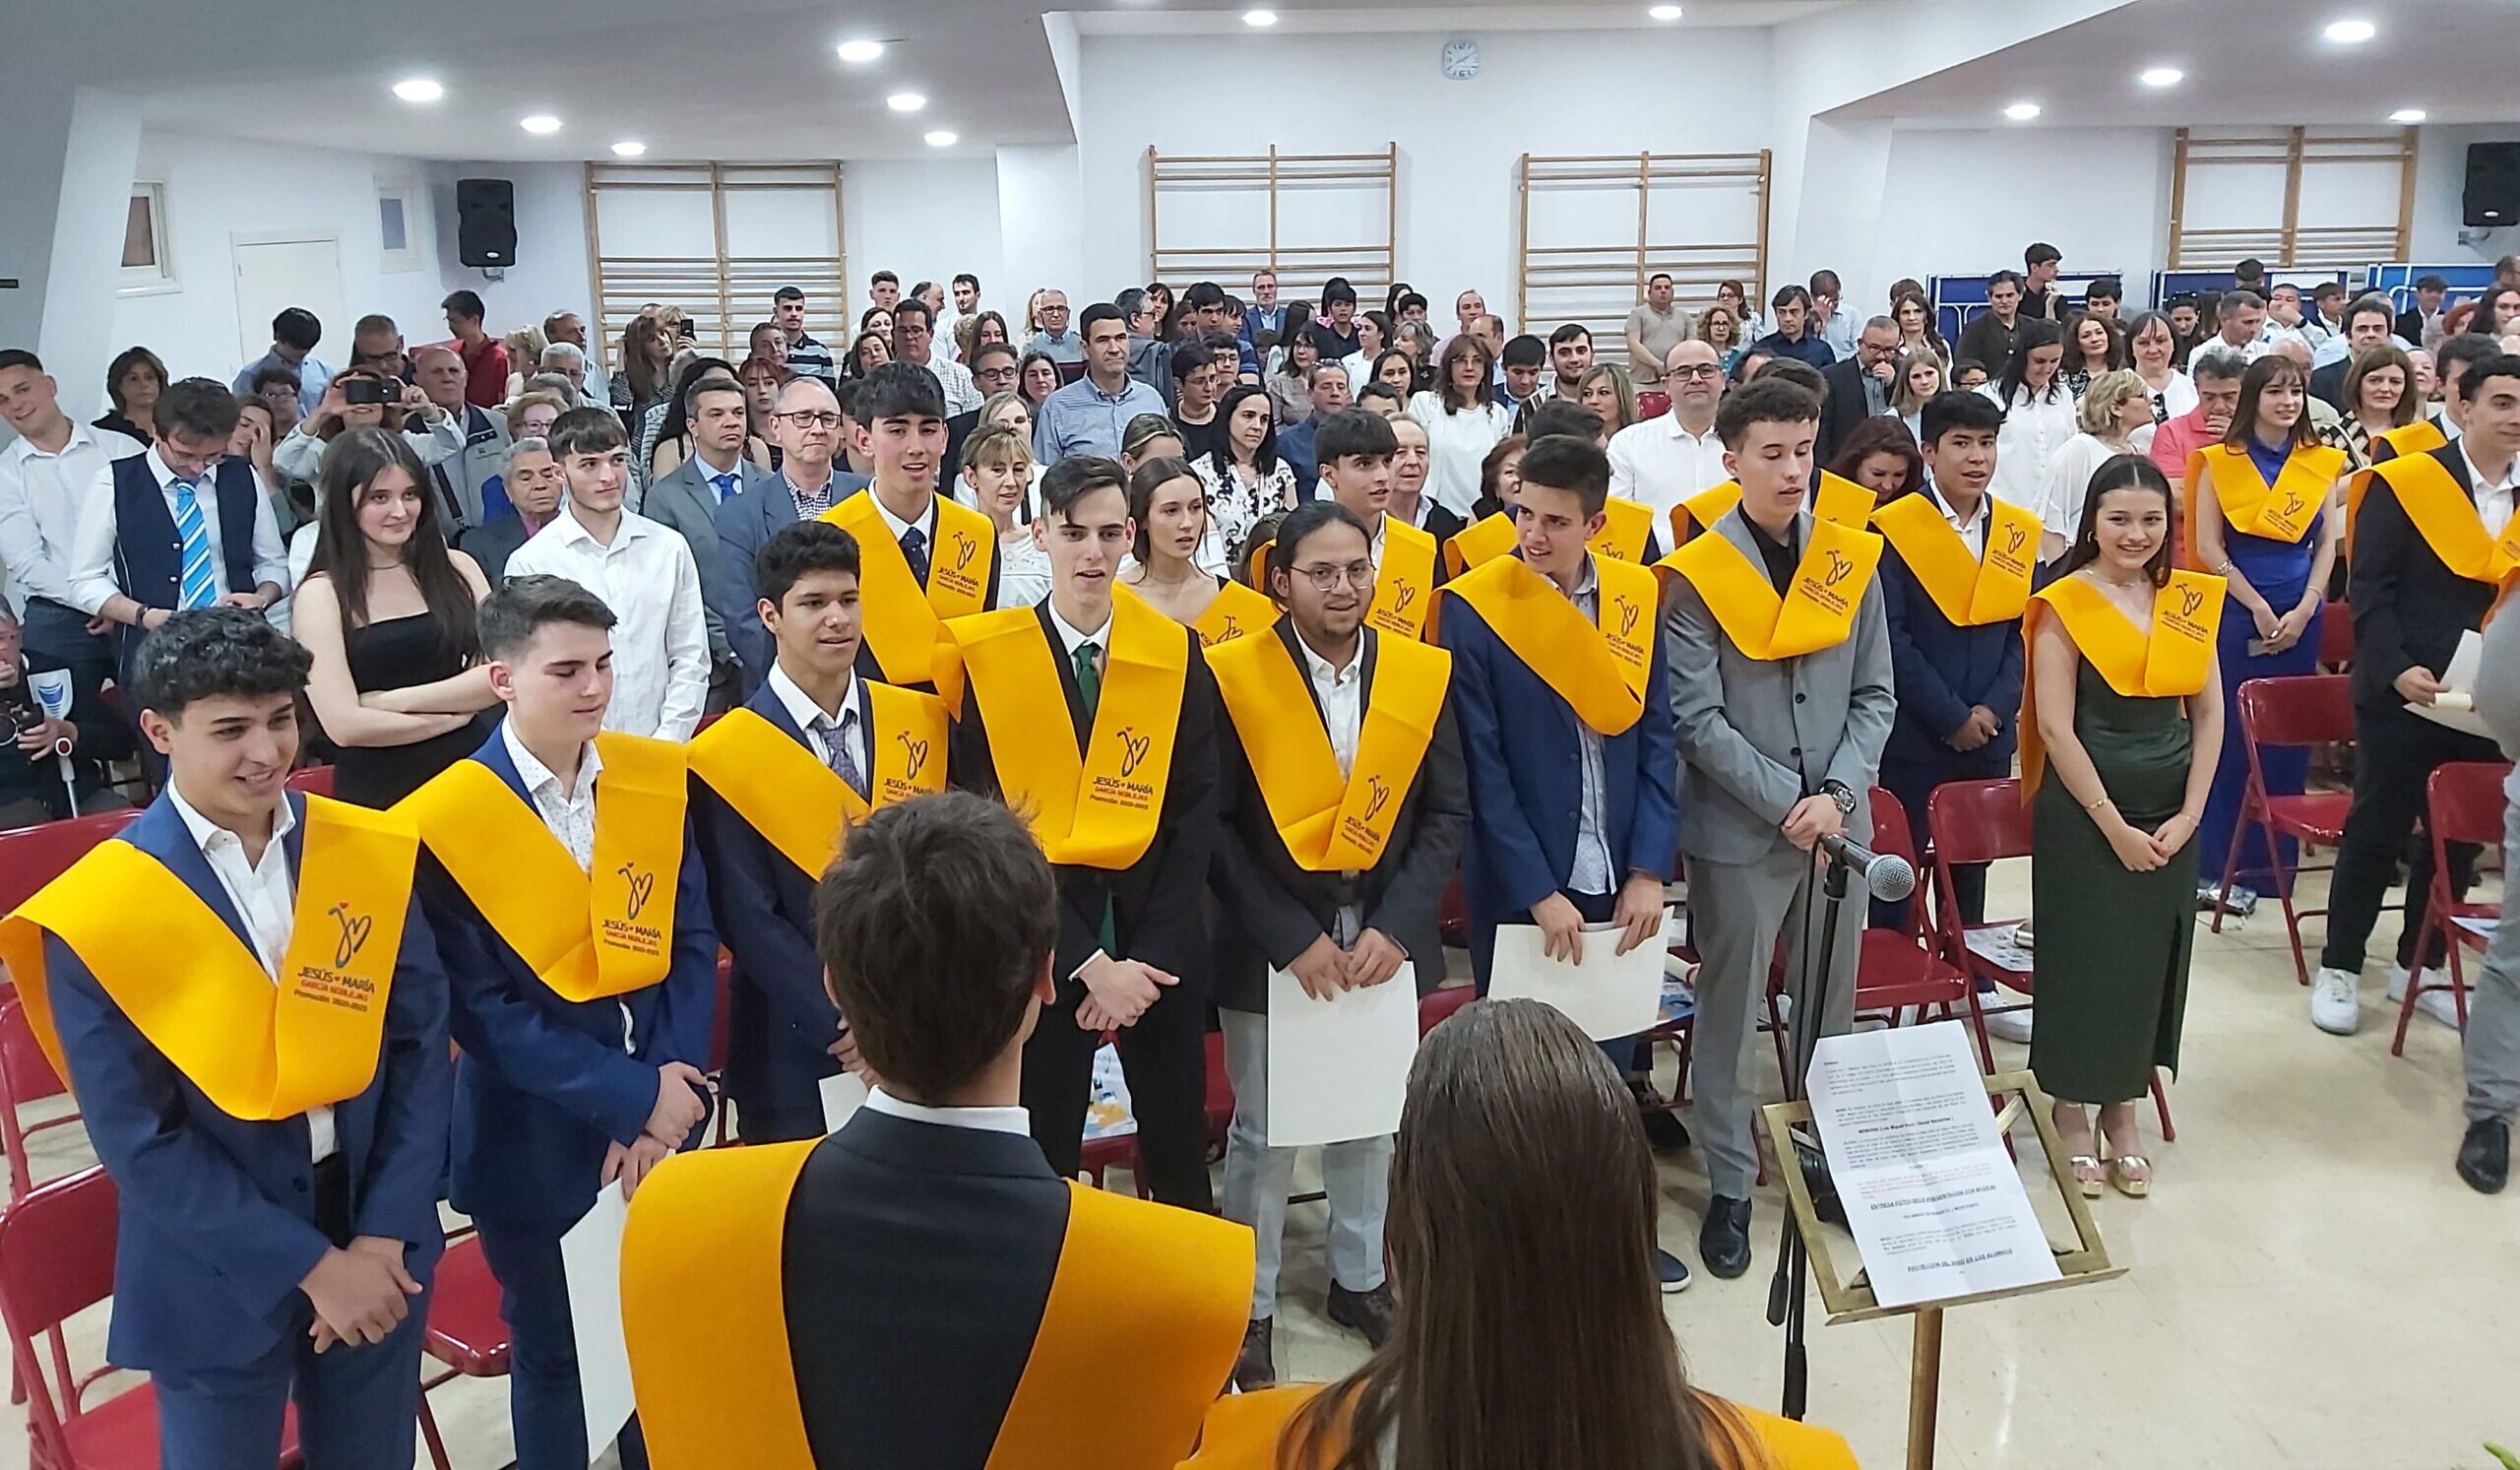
[2299, 709]
[314, 781]
[1893, 838]
[2336, 636]
[56, 1260]
[31, 857]
[26, 1076]
[2463, 802]
[1437, 1007]
[1977, 821]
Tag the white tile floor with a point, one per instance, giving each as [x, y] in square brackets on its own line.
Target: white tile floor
[2309, 1285]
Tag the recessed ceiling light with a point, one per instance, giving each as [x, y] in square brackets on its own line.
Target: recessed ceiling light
[859, 52]
[943, 137]
[2022, 112]
[629, 147]
[539, 123]
[1665, 12]
[2351, 33]
[906, 102]
[2161, 76]
[2407, 114]
[1259, 18]
[419, 90]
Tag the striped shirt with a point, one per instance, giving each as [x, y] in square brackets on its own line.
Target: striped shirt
[810, 359]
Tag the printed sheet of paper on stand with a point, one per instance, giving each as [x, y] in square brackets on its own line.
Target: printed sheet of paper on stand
[591, 1264]
[844, 1093]
[1608, 995]
[1935, 1204]
[1338, 1068]
[2456, 705]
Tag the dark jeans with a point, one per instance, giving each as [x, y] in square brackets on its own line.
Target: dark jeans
[1165, 1058]
[2394, 752]
[59, 633]
[544, 1406]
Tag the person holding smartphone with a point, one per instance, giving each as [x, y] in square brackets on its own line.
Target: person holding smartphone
[366, 397]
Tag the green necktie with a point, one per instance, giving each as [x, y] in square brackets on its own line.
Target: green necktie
[1089, 687]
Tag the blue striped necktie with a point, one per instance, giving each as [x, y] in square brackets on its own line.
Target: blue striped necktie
[199, 585]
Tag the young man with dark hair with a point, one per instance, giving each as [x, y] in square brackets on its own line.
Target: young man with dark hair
[927, 556]
[914, 342]
[2104, 296]
[1126, 808]
[1334, 330]
[1570, 352]
[2421, 320]
[1523, 368]
[1832, 320]
[1992, 334]
[2366, 326]
[1338, 846]
[2040, 295]
[2250, 275]
[884, 289]
[783, 779]
[1198, 378]
[1087, 416]
[805, 356]
[47, 475]
[250, 1011]
[1782, 692]
[1357, 446]
[966, 302]
[295, 334]
[569, 904]
[644, 572]
[943, 1286]
[485, 357]
[1792, 337]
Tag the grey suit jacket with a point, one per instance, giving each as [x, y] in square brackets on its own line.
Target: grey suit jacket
[484, 456]
[745, 524]
[686, 501]
[1756, 737]
[491, 546]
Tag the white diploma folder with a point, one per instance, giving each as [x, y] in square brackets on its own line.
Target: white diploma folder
[1608, 995]
[591, 1264]
[1338, 1068]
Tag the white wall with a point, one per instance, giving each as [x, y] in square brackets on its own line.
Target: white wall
[926, 221]
[551, 273]
[2440, 177]
[1966, 201]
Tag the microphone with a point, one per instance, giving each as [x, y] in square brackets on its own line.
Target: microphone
[1890, 879]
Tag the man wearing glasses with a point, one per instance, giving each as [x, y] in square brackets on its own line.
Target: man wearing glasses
[1663, 461]
[994, 369]
[1062, 345]
[805, 425]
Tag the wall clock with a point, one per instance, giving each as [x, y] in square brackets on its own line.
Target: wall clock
[1460, 60]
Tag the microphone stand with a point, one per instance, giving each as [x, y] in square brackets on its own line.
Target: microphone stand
[1785, 1290]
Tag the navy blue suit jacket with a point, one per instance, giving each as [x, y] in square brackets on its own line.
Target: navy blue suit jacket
[746, 522]
[1526, 780]
[217, 1224]
[545, 1085]
[1942, 670]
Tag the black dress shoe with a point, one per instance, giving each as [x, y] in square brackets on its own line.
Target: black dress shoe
[1256, 1366]
[1662, 1128]
[1368, 1312]
[2484, 1155]
[1724, 1240]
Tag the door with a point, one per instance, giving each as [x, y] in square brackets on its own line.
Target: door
[274, 272]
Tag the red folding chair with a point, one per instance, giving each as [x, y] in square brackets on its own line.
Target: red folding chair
[31, 857]
[1985, 821]
[2462, 802]
[314, 781]
[1101, 1155]
[2301, 709]
[1904, 967]
[2336, 637]
[466, 1332]
[1435, 1007]
[57, 1260]
[26, 1076]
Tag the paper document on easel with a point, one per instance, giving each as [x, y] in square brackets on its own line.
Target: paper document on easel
[1935, 1204]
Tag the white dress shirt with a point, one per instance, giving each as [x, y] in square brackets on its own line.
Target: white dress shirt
[1457, 445]
[1015, 1121]
[1341, 692]
[660, 645]
[1071, 637]
[266, 900]
[92, 545]
[569, 814]
[1973, 531]
[1592, 868]
[850, 719]
[1660, 463]
[2494, 496]
[40, 497]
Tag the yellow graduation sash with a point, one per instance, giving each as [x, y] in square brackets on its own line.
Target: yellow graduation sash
[2285, 511]
[900, 616]
[1405, 589]
[1840, 499]
[1237, 612]
[1481, 543]
[1098, 809]
[260, 1048]
[800, 806]
[1968, 591]
[585, 935]
[1817, 613]
[1332, 823]
[2168, 660]
[1248, 1430]
[1599, 671]
[2406, 441]
[2449, 521]
[1625, 526]
[1142, 1323]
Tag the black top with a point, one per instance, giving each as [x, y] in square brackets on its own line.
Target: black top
[1778, 553]
[1201, 439]
[395, 654]
[1988, 341]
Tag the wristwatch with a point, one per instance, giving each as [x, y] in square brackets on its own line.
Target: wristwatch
[1840, 792]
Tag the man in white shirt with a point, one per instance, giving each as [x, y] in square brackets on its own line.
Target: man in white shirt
[913, 335]
[643, 571]
[1663, 461]
[46, 474]
[966, 303]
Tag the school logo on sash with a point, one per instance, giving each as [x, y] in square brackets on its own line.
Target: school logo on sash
[914, 753]
[1133, 748]
[355, 928]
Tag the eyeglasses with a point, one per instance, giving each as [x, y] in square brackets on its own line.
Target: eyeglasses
[1695, 370]
[1360, 575]
[808, 418]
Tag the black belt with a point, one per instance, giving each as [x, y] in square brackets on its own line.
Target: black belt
[332, 1198]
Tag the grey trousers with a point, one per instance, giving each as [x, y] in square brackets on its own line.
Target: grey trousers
[2494, 1006]
[1355, 1175]
[1737, 911]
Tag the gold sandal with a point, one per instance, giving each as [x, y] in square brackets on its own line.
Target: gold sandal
[2122, 1176]
[2088, 1174]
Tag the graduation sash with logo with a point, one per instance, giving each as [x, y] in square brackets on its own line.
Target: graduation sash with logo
[2285, 511]
[2406, 441]
[900, 616]
[1145, 1313]
[1481, 543]
[1098, 809]
[1626, 525]
[800, 806]
[586, 935]
[1406, 587]
[1238, 613]
[2449, 522]
[1332, 823]
[1969, 591]
[2168, 660]
[1840, 499]
[1818, 607]
[1248, 1430]
[1599, 671]
[260, 1047]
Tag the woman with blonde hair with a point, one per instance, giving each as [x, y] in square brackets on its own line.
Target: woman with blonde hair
[525, 346]
[1000, 480]
[1720, 327]
[2114, 409]
[1605, 389]
[1920, 375]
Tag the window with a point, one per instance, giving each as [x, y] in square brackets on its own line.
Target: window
[398, 225]
[148, 260]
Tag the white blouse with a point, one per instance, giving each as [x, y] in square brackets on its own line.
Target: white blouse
[2035, 428]
[1456, 446]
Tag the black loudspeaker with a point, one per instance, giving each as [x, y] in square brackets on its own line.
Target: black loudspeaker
[485, 221]
[2492, 195]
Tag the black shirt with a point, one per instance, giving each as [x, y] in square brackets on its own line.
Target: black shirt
[1780, 554]
[1201, 439]
[1336, 345]
[1988, 341]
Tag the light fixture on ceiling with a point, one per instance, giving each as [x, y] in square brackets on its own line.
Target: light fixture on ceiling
[2351, 33]
[943, 137]
[1665, 12]
[419, 90]
[2407, 114]
[860, 52]
[539, 123]
[628, 148]
[2161, 76]
[2022, 112]
[906, 102]
[1259, 18]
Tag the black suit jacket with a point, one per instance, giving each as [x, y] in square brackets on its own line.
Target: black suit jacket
[1844, 408]
[2328, 383]
[1157, 916]
[492, 545]
[2409, 326]
[1269, 911]
[958, 429]
[916, 1263]
[2408, 609]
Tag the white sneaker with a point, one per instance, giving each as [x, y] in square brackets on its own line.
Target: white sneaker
[2434, 1003]
[2336, 1005]
[2009, 1026]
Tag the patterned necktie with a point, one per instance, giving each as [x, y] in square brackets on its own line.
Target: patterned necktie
[843, 757]
[725, 485]
[198, 587]
[1089, 677]
[915, 551]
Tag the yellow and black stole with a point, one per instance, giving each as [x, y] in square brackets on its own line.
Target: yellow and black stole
[1329, 822]
[800, 806]
[900, 615]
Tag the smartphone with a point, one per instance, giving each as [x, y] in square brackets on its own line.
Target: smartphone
[370, 391]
